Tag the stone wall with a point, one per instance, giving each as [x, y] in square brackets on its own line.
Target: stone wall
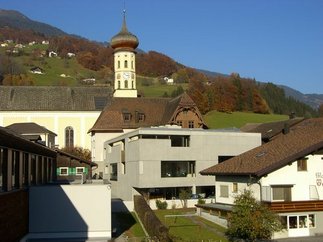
[14, 214]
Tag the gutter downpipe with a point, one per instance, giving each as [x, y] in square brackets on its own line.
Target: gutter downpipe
[256, 182]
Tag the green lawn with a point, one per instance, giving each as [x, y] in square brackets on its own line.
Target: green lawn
[190, 228]
[128, 224]
[216, 120]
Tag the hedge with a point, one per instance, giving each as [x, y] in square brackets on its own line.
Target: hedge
[150, 221]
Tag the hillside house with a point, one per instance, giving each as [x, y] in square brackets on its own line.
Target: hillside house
[37, 70]
[285, 173]
[157, 162]
[52, 54]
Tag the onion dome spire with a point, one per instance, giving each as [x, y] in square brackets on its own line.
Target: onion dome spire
[124, 39]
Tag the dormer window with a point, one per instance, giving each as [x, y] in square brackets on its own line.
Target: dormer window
[127, 117]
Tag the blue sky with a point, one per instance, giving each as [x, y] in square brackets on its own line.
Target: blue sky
[279, 41]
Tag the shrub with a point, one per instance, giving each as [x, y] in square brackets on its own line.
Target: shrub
[161, 204]
[201, 201]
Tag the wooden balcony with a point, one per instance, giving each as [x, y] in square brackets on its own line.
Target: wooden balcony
[296, 206]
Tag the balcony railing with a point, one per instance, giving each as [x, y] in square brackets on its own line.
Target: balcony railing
[296, 206]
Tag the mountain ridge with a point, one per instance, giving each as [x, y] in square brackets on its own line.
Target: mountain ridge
[17, 20]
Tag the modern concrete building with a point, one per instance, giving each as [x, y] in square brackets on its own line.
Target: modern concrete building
[157, 162]
[286, 173]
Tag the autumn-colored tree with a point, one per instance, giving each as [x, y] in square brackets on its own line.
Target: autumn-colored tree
[197, 92]
[79, 152]
[17, 80]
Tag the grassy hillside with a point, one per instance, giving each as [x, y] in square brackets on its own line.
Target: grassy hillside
[53, 67]
[216, 120]
[155, 89]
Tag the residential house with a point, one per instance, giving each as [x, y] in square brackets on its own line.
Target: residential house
[158, 162]
[285, 173]
[32, 130]
[37, 70]
[70, 55]
[52, 54]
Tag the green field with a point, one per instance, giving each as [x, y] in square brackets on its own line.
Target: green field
[218, 120]
[53, 67]
[191, 228]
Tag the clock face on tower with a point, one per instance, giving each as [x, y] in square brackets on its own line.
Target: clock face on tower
[126, 75]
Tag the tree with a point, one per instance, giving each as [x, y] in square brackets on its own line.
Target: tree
[185, 194]
[79, 152]
[251, 220]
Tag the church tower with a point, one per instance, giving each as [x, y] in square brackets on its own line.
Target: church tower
[124, 45]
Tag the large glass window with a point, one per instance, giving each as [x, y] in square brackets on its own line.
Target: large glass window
[180, 141]
[114, 172]
[177, 168]
[69, 137]
[282, 193]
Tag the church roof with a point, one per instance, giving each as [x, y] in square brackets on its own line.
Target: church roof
[131, 113]
[53, 98]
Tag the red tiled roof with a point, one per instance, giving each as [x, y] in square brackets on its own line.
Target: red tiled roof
[156, 111]
[302, 139]
[270, 130]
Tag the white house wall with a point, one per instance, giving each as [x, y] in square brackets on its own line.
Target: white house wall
[287, 175]
[56, 122]
[301, 180]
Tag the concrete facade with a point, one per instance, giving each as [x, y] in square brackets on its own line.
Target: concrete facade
[148, 158]
[71, 211]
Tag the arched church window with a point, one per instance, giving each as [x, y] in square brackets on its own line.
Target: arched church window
[126, 84]
[131, 64]
[69, 137]
[133, 85]
[125, 64]
[118, 64]
[119, 85]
